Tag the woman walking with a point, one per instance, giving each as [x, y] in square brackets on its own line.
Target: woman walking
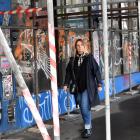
[83, 72]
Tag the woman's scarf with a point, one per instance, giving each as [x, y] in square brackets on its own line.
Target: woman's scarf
[80, 59]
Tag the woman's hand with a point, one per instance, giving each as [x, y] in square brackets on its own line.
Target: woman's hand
[99, 89]
[65, 88]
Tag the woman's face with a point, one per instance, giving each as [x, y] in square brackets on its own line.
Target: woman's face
[80, 47]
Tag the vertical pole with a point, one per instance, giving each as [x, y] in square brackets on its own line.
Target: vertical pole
[113, 52]
[35, 57]
[129, 50]
[129, 63]
[66, 58]
[120, 34]
[139, 21]
[105, 43]
[52, 51]
[90, 24]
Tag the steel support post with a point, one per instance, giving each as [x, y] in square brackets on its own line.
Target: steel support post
[139, 24]
[52, 51]
[35, 59]
[105, 44]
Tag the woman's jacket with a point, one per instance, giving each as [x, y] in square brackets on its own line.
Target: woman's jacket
[93, 78]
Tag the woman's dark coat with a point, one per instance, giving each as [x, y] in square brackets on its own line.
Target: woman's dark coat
[93, 78]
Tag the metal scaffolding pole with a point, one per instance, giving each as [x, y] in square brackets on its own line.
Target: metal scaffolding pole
[85, 15]
[18, 27]
[139, 17]
[105, 43]
[52, 51]
[139, 21]
[92, 30]
[66, 28]
[35, 83]
[98, 12]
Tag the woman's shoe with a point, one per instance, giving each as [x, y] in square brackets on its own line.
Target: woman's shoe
[86, 133]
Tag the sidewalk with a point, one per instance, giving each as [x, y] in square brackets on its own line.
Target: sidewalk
[125, 123]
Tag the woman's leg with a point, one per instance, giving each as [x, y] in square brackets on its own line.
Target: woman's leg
[85, 109]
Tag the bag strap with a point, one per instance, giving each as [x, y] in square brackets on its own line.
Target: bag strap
[73, 69]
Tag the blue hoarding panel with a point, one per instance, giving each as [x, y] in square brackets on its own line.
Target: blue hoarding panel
[45, 107]
[5, 5]
[121, 83]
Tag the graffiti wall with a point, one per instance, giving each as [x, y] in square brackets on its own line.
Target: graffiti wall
[45, 107]
[114, 49]
[24, 44]
[130, 48]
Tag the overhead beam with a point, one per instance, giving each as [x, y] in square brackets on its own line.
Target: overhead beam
[92, 4]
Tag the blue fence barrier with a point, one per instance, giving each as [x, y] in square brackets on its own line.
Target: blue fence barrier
[23, 116]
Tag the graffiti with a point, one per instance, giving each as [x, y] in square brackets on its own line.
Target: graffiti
[45, 106]
[96, 50]
[7, 86]
[24, 44]
[134, 54]
[24, 54]
[24, 50]
[6, 19]
[43, 62]
[117, 48]
[27, 115]
[24, 3]
[114, 53]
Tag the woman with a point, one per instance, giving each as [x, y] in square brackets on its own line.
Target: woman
[83, 70]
